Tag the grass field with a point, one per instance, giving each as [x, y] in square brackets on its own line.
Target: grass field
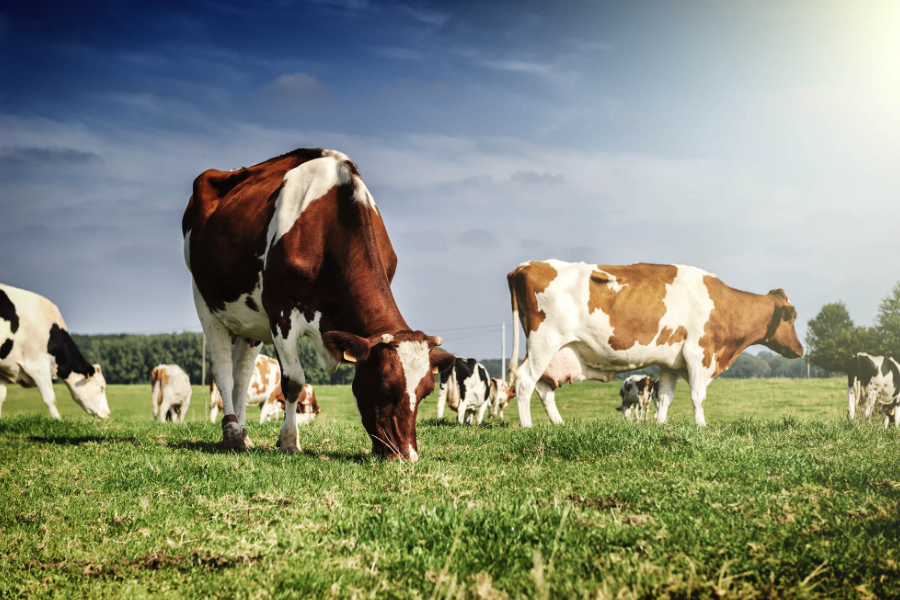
[778, 497]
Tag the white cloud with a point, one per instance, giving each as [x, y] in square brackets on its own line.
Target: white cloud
[296, 86]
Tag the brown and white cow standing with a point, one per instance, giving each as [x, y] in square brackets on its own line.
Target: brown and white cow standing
[171, 393]
[501, 394]
[589, 322]
[292, 247]
[307, 407]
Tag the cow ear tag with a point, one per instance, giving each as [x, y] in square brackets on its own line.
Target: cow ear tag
[435, 370]
[387, 338]
[349, 357]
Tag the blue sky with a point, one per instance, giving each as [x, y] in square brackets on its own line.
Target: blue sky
[756, 140]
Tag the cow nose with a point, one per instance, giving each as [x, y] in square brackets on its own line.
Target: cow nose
[103, 413]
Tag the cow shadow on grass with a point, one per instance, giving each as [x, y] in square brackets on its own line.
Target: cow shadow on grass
[216, 447]
[71, 441]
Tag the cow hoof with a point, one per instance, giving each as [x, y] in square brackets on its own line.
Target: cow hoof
[290, 448]
[233, 434]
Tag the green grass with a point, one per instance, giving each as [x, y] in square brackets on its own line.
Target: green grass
[778, 497]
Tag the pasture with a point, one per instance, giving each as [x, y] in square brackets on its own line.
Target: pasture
[777, 497]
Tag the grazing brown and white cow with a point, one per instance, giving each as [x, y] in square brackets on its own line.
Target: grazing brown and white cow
[589, 322]
[36, 348]
[294, 247]
[171, 393]
[636, 393]
[873, 388]
[501, 394]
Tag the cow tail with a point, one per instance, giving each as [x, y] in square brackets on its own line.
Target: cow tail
[514, 359]
[156, 386]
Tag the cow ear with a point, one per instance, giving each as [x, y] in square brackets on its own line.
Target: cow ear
[346, 347]
[789, 313]
[441, 361]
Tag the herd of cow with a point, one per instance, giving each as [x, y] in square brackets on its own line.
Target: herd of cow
[296, 247]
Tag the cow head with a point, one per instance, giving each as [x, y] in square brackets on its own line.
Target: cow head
[393, 373]
[781, 335]
[89, 391]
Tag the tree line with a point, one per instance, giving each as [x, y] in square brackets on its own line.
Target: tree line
[834, 337]
[128, 358]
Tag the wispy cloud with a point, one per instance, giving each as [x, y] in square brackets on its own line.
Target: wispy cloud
[296, 86]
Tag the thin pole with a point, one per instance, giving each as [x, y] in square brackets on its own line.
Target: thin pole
[203, 363]
[807, 349]
[503, 351]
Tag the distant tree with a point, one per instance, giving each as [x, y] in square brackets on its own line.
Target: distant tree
[833, 338]
[747, 366]
[887, 323]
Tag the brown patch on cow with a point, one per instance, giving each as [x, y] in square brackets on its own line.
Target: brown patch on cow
[667, 336]
[276, 396]
[635, 310]
[261, 369]
[738, 319]
[525, 283]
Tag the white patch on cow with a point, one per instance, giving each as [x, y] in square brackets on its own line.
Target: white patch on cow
[416, 363]
[413, 455]
[243, 321]
[309, 182]
[187, 249]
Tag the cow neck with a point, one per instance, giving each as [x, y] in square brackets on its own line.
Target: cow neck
[373, 310]
[756, 311]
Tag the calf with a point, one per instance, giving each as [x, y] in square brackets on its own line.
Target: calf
[36, 348]
[636, 393]
[589, 322]
[501, 394]
[171, 393]
[466, 388]
[296, 247]
[873, 388]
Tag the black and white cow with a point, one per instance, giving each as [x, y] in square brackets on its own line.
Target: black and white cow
[466, 388]
[35, 349]
[873, 388]
[636, 393]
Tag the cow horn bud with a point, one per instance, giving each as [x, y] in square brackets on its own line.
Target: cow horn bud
[387, 338]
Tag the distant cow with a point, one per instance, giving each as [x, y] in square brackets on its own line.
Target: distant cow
[264, 391]
[296, 247]
[636, 393]
[36, 348]
[171, 393]
[501, 394]
[307, 407]
[589, 322]
[466, 388]
[873, 388]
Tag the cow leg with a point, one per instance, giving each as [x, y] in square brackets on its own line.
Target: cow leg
[44, 385]
[441, 403]
[851, 402]
[667, 381]
[548, 399]
[2, 394]
[219, 339]
[292, 381]
[698, 382]
[461, 412]
[481, 412]
[243, 360]
[184, 409]
[529, 373]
